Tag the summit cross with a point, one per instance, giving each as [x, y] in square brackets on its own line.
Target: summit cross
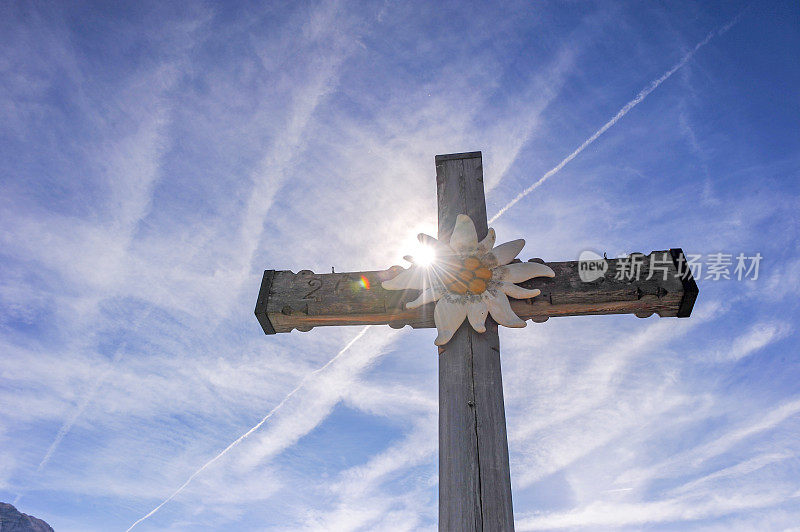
[474, 477]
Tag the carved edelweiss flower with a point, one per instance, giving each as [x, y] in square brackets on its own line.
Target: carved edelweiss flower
[469, 279]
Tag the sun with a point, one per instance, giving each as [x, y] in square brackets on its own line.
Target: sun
[424, 256]
[470, 279]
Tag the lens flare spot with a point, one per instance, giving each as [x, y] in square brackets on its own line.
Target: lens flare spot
[364, 282]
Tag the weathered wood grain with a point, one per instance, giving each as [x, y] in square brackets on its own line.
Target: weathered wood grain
[459, 469]
[305, 300]
[474, 479]
[497, 510]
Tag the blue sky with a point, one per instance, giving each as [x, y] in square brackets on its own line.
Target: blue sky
[157, 157]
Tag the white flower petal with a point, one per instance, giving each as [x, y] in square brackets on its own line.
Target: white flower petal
[413, 277]
[427, 295]
[464, 236]
[500, 309]
[438, 246]
[448, 317]
[522, 271]
[486, 245]
[505, 253]
[476, 314]
[517, 292]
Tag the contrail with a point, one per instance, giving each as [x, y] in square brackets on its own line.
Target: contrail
[622, 112]
[252, 430]
[66, 427]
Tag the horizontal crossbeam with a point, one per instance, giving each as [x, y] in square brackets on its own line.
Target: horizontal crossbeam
[658, 283]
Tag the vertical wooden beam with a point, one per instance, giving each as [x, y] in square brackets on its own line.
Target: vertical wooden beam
[474, 479]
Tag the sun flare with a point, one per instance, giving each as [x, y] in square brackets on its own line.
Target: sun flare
[469, 280]
[424, 256]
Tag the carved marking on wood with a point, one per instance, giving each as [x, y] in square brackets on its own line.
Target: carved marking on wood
[315, 285]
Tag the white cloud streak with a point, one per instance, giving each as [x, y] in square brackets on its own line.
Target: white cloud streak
[740, 469]
[258, 425]
[605, 514]
[759, 336]
[622, 112]
[362, 504]
[693, 458]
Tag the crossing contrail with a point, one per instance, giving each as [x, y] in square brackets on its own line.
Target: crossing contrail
[67, 425]
[252, 430]
[622, 112]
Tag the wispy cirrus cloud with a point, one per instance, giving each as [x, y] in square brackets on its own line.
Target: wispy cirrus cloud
[160, 160]
[670, 511]
[644, 93]
[255, 427]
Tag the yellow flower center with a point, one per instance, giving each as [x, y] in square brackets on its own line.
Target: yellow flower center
[470, 277]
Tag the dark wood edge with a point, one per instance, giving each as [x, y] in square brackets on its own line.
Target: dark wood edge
[690, 289]
[261, 303]
[455, 156]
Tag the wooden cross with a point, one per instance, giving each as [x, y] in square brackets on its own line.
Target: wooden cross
[474, 480]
